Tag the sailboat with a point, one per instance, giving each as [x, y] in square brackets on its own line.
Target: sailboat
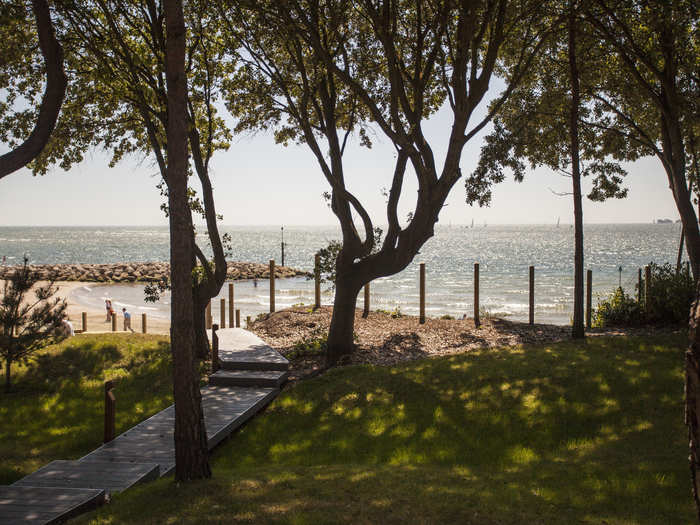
[472, 222]
[558, 219]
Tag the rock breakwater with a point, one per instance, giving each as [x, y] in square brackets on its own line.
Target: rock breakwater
[144, 271]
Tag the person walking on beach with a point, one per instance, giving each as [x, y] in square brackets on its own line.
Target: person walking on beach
[110, 310]
[127, 320]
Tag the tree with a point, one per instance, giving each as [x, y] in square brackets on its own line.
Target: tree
[191, 448]
[119, 99]
[543, 122]
[11, 16]
[651, 92]
[27, 325]
[329, 69]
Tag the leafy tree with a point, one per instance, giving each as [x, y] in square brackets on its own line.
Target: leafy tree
[119, 99]
[27, 324]
[17, 43]
[321, 72]
[544, 122]
[649, 104]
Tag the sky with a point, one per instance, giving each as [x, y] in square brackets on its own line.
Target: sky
[258, 182]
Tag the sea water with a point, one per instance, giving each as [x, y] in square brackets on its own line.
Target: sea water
[504, 254]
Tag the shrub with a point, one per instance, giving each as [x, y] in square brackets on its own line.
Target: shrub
[315, 344]
[670, 295]
[447, 317]
[618, 309]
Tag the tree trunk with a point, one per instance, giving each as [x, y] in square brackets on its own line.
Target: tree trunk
[201, 340]
[692, 398]
[52, 99]
[8, 384]
[340, 333]
[191, 450]
[577, 331]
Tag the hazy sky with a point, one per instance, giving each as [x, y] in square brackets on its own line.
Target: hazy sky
[259, 182]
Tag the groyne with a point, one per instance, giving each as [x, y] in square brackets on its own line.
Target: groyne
[131, 272]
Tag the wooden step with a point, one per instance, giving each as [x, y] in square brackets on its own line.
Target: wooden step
[42, 505]
[252, 360]
[243, 350]
[249, 378]
[109, 475]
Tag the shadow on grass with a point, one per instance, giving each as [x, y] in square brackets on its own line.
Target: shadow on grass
[595, 428]
[57, 408]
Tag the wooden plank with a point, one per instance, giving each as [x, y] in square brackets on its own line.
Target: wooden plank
[113, 477]
[42, 505]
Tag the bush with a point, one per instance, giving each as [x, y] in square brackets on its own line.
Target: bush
[619, 309]
[315, 344]
[670, 295]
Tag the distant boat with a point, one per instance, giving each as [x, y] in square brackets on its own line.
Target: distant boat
[558, 219]
[664, 221]
[472, 223]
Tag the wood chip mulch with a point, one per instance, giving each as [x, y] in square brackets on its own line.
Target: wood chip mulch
[384, 341]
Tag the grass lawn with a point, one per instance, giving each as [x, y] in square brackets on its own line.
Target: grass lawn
[565, 433]
[56, 410]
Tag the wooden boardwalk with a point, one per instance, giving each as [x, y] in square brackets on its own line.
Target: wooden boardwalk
[63, 489]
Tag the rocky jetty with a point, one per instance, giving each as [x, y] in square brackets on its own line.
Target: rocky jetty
[144, 271]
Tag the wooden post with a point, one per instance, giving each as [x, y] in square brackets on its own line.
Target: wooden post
[214, 348]
[238, 318]
[247, 321]
[272, 285]
[230, 304]
[222, 313]
[110, 412]
[208, 315]
[589, 297]
[421, 319]
[532, 295]
[114, 322]
[365, 310]
[647, 288]
[477, 321]
[317, 281]
[84, 316]
[639, 285]
[144, 324]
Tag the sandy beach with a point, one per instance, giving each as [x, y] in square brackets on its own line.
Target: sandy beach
[96, 317]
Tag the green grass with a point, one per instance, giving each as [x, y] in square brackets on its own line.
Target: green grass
[56, 408]
[565, 433]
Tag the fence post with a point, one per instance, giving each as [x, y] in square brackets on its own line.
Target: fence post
[272, 285]
[422, 293]
[110, 412]
[222, 312]
[639, 285]
[84, 317]
[144, 325]
[365, 309]
[247, 321]
[477, 321]
[532, 295]
[589, 297]
[238, 318]
[208, 315]
[214, 348]
[647, 288]
[317, 281]
[230, 304]
[114, 322]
